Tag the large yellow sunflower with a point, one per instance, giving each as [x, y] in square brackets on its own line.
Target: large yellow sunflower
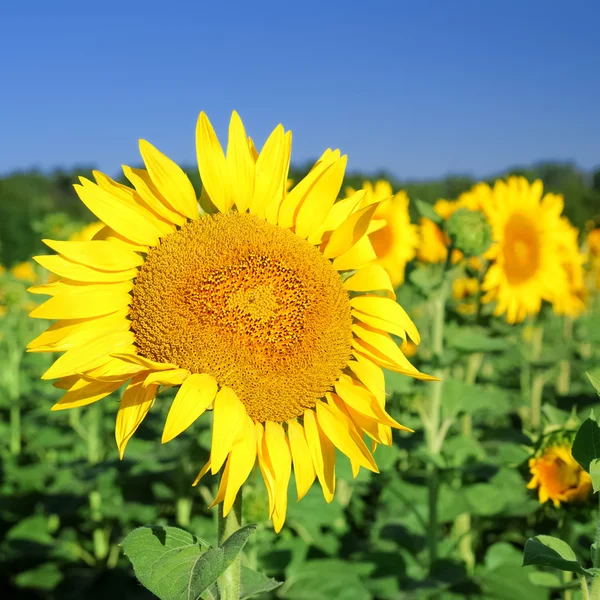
[528, 235]
[269, 310]
[393, 237]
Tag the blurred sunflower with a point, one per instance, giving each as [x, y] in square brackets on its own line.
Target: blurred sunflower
[433, 247]
[572, 301]
[528, 235]
[558, 476]
[464, 291]
[393, 237]
[87, 232]
[592, 245]
[268, 310]
[24, 271]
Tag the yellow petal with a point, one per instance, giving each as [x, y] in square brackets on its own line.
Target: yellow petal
[98, 254]
[241, 164]
[145, 187]
[136, 359]
[372, 427]
[93, 354]
[87, 393]
[320, 198]
[113, 369]
[304, 471]
[389, 310]
[349, 233]
[69, 333]
[229, 417]
[291, 204]
[281, 462]
[241, 462]
[214, 170]
[360, 399]
[195, 395]
[170, 180]
[357, 257]
[272, 207]
[132, 222]
[202, 473]
[369, 279]
[83, 301]
[78, 272]
[168, 378]
[384, 343]
[322, 453]
[265, 465]
[106, 234]
[135, 404]
[339, 212]
[341, 431]
[270, 175]
[371, 376]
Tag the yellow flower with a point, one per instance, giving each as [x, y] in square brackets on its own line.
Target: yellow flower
[434, 246]
[528, 233]
[572, 300]
[593, 259]
[393, 237]
[559, 477]
[245, 309]
[409, 349]
[24, 271]
[464, 288]
[87, 233]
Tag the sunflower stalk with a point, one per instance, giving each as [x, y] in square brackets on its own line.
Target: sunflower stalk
[229, 581]
[563, 381]
[94, 447]
[536, 389]
[15, 429]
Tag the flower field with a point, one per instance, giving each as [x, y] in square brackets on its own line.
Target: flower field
[208, 352]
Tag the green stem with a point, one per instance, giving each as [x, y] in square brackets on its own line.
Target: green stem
[585, 592]
[594, 593]
[596, 544]
[94, 448]
[434, 419]
[564, 366]
[15, 429]
[183, 511]
[539, 379]
[229, 580]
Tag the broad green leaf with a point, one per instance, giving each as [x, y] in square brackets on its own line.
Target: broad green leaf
[545, 579]
[234, 544]
[253, 583]
[595, 474]
[172, 563]
[44, 577]
[426, 210]
[548, 551]
[586, 445]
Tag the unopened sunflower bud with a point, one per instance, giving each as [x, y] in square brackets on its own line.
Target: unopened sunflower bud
[469, 231]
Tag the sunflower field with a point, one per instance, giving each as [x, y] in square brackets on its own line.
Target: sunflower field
[250, 379]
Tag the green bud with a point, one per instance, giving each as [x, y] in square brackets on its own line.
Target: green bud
[469, 231]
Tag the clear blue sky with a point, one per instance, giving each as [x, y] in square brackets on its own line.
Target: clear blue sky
[420, 88]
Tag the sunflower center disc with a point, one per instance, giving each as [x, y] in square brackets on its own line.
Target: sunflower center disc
[521, 248]
[249, 303]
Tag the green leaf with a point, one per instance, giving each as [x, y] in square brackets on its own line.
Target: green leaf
[586, 445]
[548, 551]
[172, 563]
[595, 382]
[44, 577]
[426, 210]
[595, 474]
[476, 339]
[545, 579]
[234, 544]
[253, 583]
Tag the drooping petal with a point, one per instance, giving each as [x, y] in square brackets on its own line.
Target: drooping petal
[167, 378]
[77, 272]
[135, 404]
[369, 279]
[195, 395]
[265, 466]
[371, 376]
[229, 418]
[86, 392]
[350, 232]
[304, 471]
[281, 462]
[357, 257]
[322, 452]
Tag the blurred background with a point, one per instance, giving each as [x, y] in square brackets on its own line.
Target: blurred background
[431, 97]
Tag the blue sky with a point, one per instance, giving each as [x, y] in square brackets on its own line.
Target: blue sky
[418, 88]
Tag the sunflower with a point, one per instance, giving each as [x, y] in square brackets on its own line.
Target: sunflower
[592, 246]
[393, 237]
[572, 301]
[267, 309]
[528, 235]
[558, 476]
[434, 243]
[464, 291]
[24, 271]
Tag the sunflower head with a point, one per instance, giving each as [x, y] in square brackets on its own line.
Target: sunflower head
[526, 254]
[271, 310]
[558, 476]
